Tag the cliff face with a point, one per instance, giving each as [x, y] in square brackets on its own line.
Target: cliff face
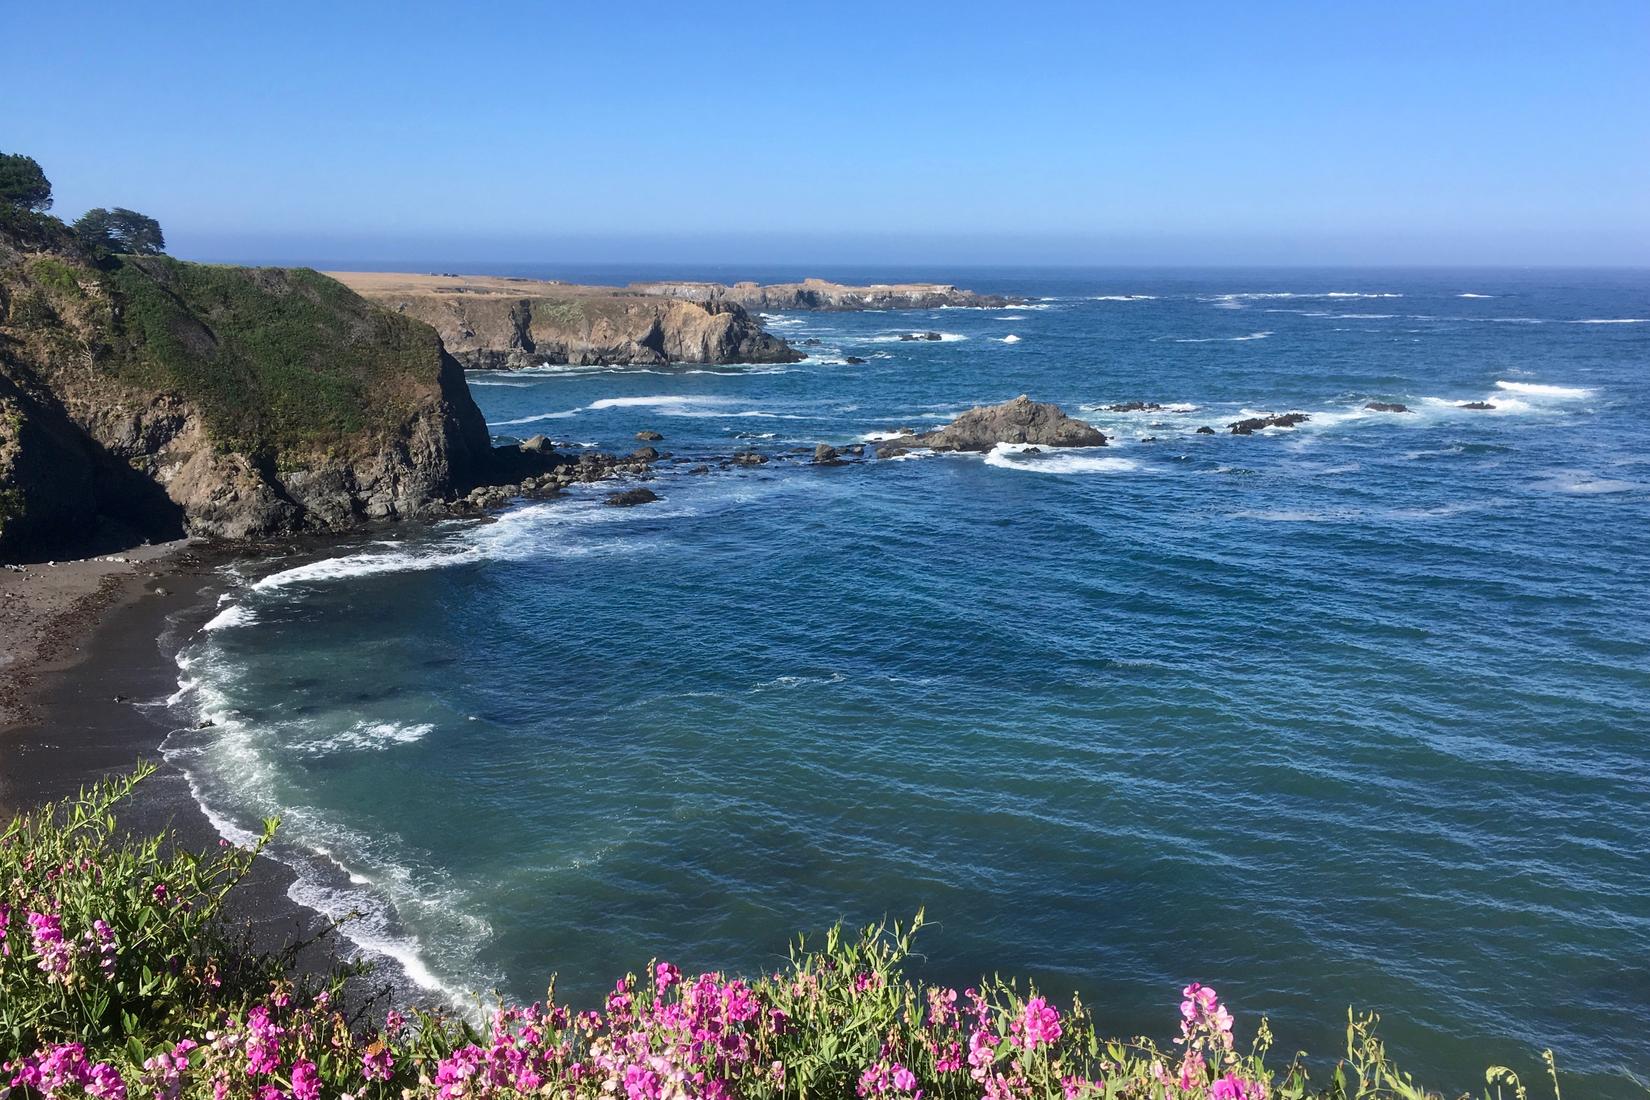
[157, 398]
[493, 323]
[817, 294]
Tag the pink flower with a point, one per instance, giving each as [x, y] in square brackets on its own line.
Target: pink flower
[1233, 1087]
[306, 1081]
[665, 976]
[904, 1079]
[1037, 1026]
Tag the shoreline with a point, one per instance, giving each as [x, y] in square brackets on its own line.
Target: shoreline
[84, 699]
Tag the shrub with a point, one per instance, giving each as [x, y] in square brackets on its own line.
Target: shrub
[116, 982]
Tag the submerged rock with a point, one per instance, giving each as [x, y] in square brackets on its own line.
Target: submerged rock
[920, 336]
[1386, 407]
[1134, 407]
[749, 458]
[853, 360]
[629, 498]
[1481, 405]
[1256, 423]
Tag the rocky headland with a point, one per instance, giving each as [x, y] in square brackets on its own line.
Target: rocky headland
[818, 294]
[497, 323]
[143, 399]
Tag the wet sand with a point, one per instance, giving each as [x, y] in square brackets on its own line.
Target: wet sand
[91, 648]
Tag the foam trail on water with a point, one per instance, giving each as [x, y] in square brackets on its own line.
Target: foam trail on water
[1069, 460]
[1537, 389]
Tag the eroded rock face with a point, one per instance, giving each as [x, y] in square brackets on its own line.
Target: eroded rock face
[108, 431]
[818, 294]
[1021, 420]
[491, 323]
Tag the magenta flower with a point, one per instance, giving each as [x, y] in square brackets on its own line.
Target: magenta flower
[1233, 1087]
[306, 1081]
[665, 976]
[1037, 1026]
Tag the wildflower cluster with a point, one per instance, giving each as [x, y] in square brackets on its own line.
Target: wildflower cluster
[100, 999]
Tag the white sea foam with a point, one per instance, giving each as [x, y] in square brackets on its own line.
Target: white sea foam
[233, 615]
[900, 338]
[362, 736]
[1537, 389]
[1584, 483]
[1270, 295]
[1217, 339]
[1475, 295]
[1009, 317]
[1066, 460]
[1613, 321]
[534, 419]
[1011, 339]
[1124, 298]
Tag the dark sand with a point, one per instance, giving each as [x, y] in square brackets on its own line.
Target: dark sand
[86, 684]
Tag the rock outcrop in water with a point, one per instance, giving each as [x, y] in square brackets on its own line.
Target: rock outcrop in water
[1386, 407]
[1259, 423]
[818, 294]
[142, 397]
[1021, 420]
[492, 323]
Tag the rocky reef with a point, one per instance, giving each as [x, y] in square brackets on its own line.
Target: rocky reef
[1021, 420]
[492, 323]
[145, 398]
[818, 294]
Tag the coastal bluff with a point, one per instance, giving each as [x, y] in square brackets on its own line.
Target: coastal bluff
[144, 398]
[821, 295]
[500, 323]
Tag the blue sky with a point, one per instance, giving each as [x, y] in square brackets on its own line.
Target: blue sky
[1439, 132]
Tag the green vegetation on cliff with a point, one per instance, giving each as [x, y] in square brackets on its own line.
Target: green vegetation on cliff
[167, 397]
[279, 361]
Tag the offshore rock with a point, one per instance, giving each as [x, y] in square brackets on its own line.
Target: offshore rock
[1021, 420]
[629, 498]
[1257, 423]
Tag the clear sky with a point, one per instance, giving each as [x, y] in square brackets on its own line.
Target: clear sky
[1311, 132]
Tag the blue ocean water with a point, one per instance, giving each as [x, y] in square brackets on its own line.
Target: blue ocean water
[1352, 714]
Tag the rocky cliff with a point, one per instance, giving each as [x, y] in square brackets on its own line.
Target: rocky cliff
[492, 323]
[144, 397]
[817, 294]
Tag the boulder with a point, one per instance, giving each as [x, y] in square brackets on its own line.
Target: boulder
[1021, 420]
[826, 455]
[648, 435]
[892, 450]
[749, 458]
[644, 454]
[1134, 407]
[537, 444]
[1386, 407]
[1256, 423]
[1475, 405]
[853, 360]
[1205, 430]
[629, 498]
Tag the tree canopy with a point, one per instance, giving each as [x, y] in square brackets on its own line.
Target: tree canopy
[23, 184]
[121, 230]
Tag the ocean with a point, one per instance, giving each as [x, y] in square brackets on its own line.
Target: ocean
[1354, 713]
